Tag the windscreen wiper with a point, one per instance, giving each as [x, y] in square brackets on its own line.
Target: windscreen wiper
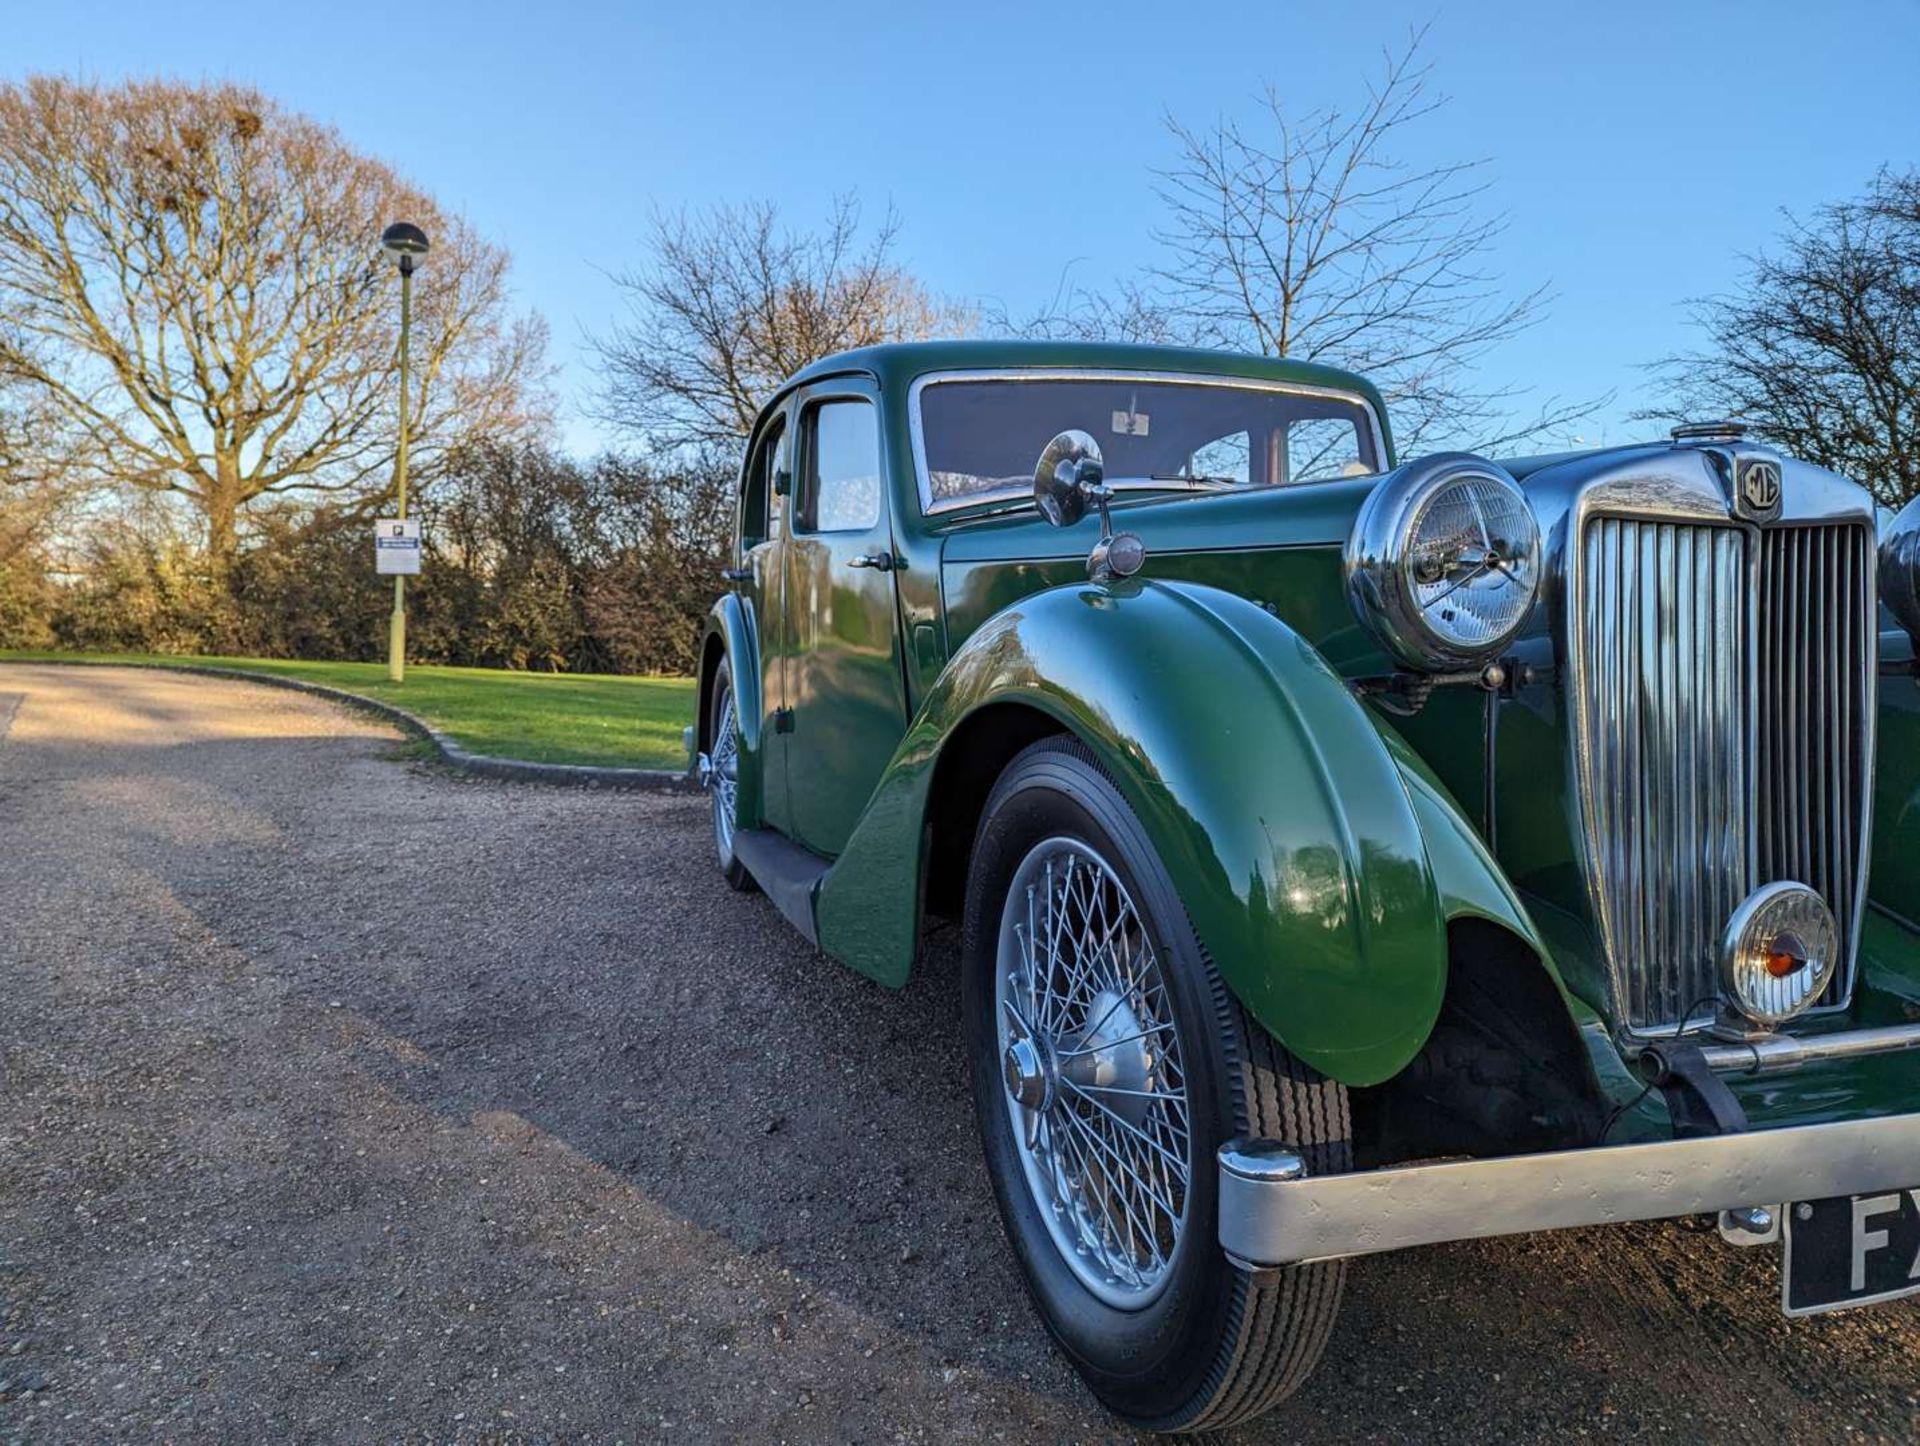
[1201, 479]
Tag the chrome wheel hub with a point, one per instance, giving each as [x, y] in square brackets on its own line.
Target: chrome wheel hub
[1090, 1062]
[1113, 1056]
[1026, 1068]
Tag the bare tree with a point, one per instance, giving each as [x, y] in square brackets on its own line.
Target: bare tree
[731, 303]
[191, 284]
[1307, 236]
[27, 458]
[1080, 312]
[1820, 347]
[31, 508]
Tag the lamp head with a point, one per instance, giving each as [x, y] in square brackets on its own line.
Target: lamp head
[405, 242]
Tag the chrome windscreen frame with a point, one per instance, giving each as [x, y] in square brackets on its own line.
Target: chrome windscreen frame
[1682, 483]
[932, 507]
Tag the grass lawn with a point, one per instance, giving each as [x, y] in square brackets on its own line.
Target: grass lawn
[547, 717]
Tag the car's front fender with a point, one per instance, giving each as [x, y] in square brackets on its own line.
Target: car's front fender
[1272, 796]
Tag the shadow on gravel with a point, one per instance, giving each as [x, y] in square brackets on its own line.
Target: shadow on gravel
[608, 989]
[563, 976]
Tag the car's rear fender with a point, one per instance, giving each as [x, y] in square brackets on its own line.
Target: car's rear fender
[730, 635]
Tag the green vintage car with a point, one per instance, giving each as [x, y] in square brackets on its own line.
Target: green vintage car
[1350, 853]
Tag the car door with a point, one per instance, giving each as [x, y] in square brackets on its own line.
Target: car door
[763, 575]
[846, 708]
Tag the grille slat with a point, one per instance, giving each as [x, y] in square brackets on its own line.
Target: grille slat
[1724, 738]
[1817, 659]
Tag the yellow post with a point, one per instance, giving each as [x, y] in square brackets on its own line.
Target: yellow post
[397, 629]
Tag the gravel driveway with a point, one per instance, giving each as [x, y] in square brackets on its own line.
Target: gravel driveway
[340, 1099]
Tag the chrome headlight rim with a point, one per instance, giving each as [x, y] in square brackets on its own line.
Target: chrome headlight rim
[1379, 584]
[1768, 915]
[1900, 568]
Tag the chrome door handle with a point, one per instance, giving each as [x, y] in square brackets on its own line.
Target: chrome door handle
[878, 561]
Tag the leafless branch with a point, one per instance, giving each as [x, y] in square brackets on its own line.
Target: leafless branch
[731, 303]
[1308, 236]
[1820, 347]
[192, 287]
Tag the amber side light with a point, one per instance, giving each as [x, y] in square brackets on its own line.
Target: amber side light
[1780, 964]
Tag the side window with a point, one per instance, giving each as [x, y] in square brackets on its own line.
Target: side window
[1224, 459]
[1322, 449]
[759, 508]
[842, 491]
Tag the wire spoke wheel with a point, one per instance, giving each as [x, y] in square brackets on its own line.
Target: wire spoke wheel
[1091, 1062]
[1109, 1062]
[723, 773]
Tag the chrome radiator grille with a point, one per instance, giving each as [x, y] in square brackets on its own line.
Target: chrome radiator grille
[1817, 661]
[1720, 704]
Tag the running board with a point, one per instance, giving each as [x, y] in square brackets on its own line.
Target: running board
[787, 873]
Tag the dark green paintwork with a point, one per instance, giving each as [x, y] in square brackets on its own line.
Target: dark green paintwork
[840, 676]
[1278, 809]
[1320, 846]
[731, 626]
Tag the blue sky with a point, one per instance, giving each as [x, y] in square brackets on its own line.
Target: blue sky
[1639, 149]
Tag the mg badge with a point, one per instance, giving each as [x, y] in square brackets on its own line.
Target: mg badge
[1758, 488]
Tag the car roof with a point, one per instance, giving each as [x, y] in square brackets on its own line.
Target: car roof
[900, 363]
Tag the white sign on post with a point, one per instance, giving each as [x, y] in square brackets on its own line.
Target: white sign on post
[396, 547]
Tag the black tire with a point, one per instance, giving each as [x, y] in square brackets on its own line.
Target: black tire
[1213, 1348]
[721, 715]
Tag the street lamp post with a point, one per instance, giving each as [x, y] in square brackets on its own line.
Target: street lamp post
[405, 242]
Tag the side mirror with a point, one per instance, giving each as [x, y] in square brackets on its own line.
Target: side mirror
[782, 482]
[1069, 479]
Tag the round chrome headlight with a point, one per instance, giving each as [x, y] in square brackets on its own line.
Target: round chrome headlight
[1444, 561]
[1900, 568]
[1780, 950]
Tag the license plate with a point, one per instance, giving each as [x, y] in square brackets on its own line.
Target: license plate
[1852, 1250]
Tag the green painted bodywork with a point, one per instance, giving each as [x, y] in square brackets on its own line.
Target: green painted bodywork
[1321, 846]
[1279, 811]
[730, 635]
[837, 668]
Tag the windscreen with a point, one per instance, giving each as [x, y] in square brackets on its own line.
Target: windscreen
[984, 436]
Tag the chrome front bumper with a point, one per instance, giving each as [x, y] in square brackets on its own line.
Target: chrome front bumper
[1273, 1213]
[1768, 1054]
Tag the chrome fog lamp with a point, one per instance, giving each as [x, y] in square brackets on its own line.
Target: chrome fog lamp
[1900, 568]
[1444, 561]
[1779, 952]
